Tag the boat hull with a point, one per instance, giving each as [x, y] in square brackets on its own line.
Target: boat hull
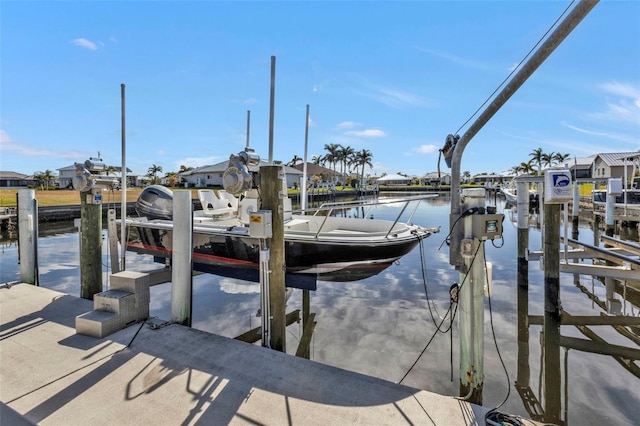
[315, 256]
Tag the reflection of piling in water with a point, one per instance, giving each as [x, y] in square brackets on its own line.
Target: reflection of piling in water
[552, 309]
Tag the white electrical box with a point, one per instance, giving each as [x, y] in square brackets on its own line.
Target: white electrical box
[614, 186]
[260, 224]
[557, 186]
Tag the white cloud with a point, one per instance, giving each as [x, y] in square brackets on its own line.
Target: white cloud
[426, 149]
[607, 135]
[367, 133]
[347, 125]
[625, 108]
[453, 58]
[83, 42]
[397, 98]
[199, 161]
[9, 145]
[620, 89]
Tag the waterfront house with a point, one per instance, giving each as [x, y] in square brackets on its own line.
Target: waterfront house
[433, 179]
[612, 165]
[394, 180]
[10, 179]
[211, 176]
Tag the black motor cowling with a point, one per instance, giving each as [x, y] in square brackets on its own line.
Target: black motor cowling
[155, 202]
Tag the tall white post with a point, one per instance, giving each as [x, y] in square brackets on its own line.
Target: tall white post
[303, 198]
[182, 258]
[27, 242]
[123, 185]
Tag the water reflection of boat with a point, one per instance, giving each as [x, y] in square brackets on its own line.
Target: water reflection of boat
[320, 244]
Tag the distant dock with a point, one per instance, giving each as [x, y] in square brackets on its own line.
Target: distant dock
[8, 218]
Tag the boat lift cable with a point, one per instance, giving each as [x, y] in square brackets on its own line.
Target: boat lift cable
[453, 314]
[425, 282]
[516, 68]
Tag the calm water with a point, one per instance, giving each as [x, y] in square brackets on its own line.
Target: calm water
[379, 326]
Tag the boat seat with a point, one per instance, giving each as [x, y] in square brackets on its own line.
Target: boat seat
[212, 205]
[229, 198]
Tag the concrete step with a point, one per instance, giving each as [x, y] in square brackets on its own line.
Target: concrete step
[97, 324]
[113, 310]
[122, 303]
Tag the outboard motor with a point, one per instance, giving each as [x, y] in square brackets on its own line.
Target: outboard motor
[155, 202]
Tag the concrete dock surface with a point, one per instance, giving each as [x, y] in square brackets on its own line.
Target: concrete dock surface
[175, 375]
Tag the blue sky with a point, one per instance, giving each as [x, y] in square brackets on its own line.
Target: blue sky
[391, 77]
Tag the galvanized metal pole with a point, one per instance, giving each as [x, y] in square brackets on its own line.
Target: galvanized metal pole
[112, 236]
[548, 46]
[248, 126]
[91, 244]
[272, 100]
[123, 185]
[182, 258]
[552, 311]
[471, 306]
[303, 198]
[26, 235]
[271, 183]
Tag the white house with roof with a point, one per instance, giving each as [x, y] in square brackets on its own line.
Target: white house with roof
[394, 179]
[432, 178]
[211, 176]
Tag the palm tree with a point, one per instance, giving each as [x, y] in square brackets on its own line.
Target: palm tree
[559, 158]
[363, 158]
[332, 156]
[39, 177]
[547, 159]
[526, 168]
[466, 176]
[317, 160]
[153, 170]
[536, 157]
[172, 178]
[346, 156]
[294, 160]
[184, 168]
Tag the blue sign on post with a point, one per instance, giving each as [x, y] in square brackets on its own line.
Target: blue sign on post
[557, 186]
